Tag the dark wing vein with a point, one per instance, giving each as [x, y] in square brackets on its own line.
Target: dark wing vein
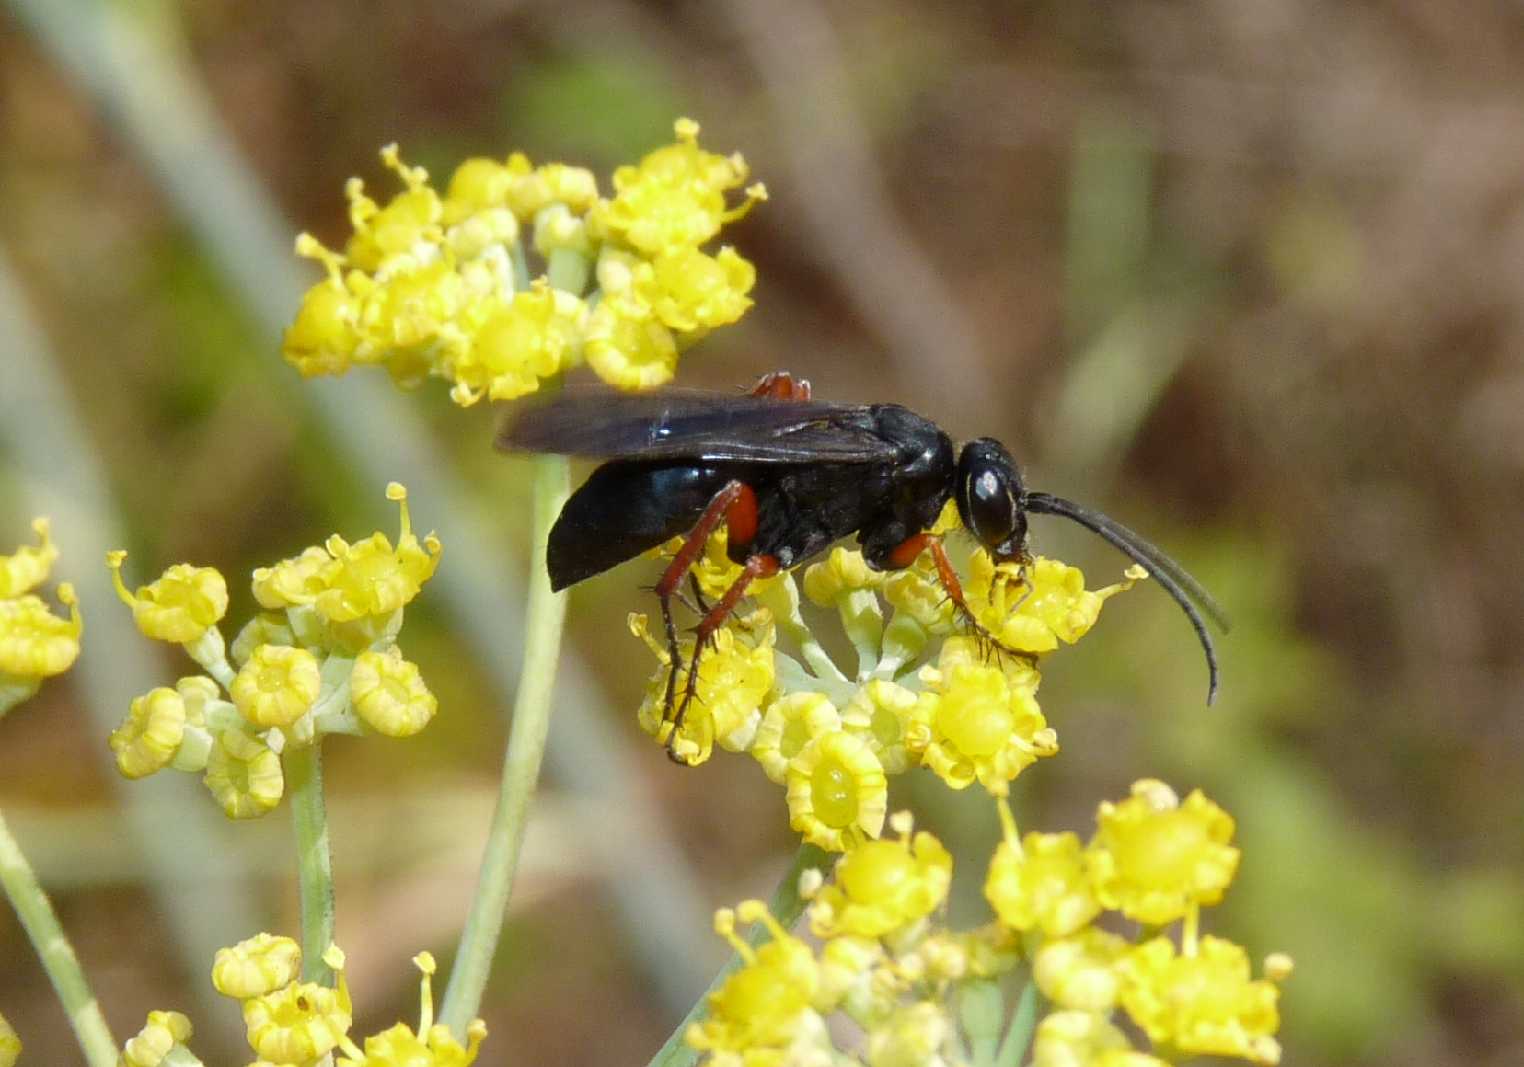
[692, 424]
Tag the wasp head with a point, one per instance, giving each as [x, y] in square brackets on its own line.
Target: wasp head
[991, 499]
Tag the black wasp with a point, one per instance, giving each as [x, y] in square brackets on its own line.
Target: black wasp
[789, 475]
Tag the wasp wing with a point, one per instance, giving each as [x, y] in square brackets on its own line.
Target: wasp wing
[697, 425]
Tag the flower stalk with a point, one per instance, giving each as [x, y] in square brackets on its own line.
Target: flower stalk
[314, 862]
[544, 618]
[55, 952]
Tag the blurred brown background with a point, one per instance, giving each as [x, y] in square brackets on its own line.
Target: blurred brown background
[1248, 274]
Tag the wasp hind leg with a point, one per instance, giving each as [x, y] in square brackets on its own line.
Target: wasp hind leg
[736, 505]
[755, 567]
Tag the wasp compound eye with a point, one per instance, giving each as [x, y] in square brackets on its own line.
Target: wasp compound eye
[989, 496]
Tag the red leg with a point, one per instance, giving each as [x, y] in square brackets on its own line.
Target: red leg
[906, 553]
[736, 504]
[781, 385]
[754, 568]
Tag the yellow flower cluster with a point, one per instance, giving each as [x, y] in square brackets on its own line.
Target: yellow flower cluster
[920, 694]
[1156, 860]
[917, 990]
[292, 1023]
[883, 963]
[487, 285]
[34, 643]
[321, 658]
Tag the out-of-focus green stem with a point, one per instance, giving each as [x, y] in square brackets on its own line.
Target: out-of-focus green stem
[1019, 1035]
[314, 863]
[786, 905]
[544, 617]
[57, 955]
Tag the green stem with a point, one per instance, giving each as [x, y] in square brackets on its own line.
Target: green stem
[57, 955]
[314, 864]
[1019, 1035]
[544, 616]
[786, 905]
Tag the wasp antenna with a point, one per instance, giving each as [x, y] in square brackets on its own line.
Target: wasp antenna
[1177, 582]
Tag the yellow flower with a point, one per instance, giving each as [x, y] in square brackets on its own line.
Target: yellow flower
[766, 1005]
[842, 572]
[266, 628]
[534, 335]
[291, 582]
[409, 219]
[629, 347]
[1031, 609]
[916, 592]
[1041, 884]
[847, 967]
[735, 676]
[297, 1023]
[913, 1036]
[985, 722]
[370, 579]
[1081, 971]
[1084, 1039]
[160, 1034]
[29, 566]
[1205, 1003]
[277, 686]
[256, 966]
[10, 1044]
[151, 734]
[182, 605]
[530, 191]
[323, 338]
[432, 1046]
[693, 290]
[35, 643]
[788, 724]
[244, 775]
[1153, 858]
[837, 792]
[894, 722]
[883, 886]
[675, 196]
[389, 695]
